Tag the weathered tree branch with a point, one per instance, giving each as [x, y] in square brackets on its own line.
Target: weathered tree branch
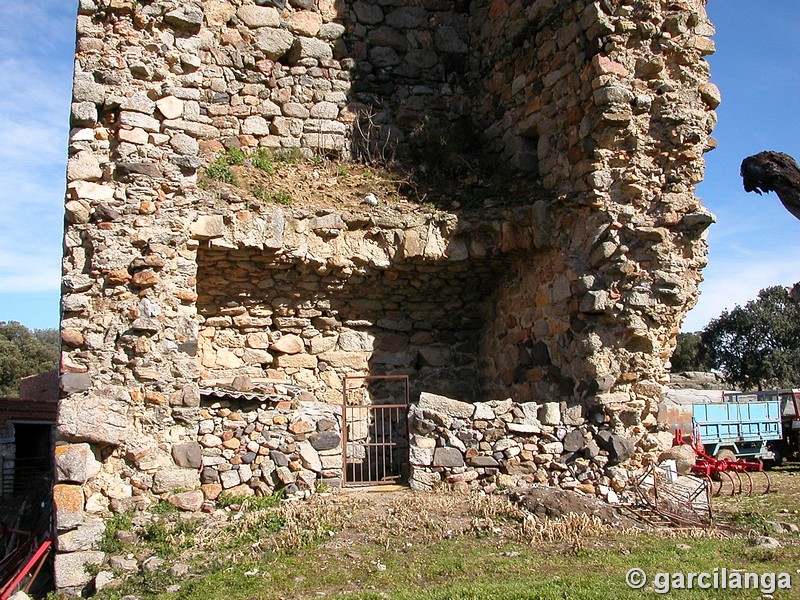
[773, 172]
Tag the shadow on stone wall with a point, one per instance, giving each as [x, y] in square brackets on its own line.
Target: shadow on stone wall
[421, 104]
[264, 316]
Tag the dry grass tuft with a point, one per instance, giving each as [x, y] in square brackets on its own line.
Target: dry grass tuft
[696, 533]
[569, 528]
[444, 514]
[418, 518]
[494, 506]
[306, 522]
[287, 526]
[426, 517]
[208, 535]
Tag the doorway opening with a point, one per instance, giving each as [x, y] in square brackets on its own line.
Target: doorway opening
[33, 463]
[375, 429]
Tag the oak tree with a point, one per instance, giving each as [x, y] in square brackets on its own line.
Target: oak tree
[24, 352]
[757, 346]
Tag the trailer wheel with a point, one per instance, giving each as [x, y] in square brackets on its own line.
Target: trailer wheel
[726, 454]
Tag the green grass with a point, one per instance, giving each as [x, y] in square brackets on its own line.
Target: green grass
[234, 156]
[264, 161]
[255, 531]
[227, 500]
[119, 522]
[275, 197]
[162, 507]
[269, 161]
[269, 550]
[290, 156]
[752, 521]
[169, 538]
[153, 583]
[754, 511]
[264, 522]
[471, 569]
[220, 170]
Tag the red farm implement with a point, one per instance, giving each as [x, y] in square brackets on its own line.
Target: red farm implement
[25, 554]
[727, 476]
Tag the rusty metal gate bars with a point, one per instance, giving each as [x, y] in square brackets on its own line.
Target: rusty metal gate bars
[382, 448]
[689, 505]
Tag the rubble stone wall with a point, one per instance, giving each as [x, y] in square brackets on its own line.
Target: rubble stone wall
[251, 446]
[412, 298]
[503, 444]
[573, 298]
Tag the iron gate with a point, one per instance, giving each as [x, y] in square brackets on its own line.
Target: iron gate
[374, 432]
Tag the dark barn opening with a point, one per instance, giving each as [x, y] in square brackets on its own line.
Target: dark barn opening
[34, 463]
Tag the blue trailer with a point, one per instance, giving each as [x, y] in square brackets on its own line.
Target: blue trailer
[738, 427]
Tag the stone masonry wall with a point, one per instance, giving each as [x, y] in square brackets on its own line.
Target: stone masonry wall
[412, 299]
[252, 446]
[504, 444]
[573, 298]
[611, 105]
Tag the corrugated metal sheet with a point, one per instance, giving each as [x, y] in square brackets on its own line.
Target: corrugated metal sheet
[258, 395]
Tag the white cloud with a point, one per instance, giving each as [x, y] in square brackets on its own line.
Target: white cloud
[29, 272]
[40, 29]
[27, 83]
[728, 284]
[755, 244]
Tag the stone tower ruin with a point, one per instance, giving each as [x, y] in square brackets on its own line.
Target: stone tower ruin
[568, 292]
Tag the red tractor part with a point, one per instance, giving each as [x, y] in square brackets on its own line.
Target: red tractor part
[23, 561]
[730, 476]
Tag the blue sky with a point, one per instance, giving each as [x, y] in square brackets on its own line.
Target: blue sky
[754, 244]
[36, 44]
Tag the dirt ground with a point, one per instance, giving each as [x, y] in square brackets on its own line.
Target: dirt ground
[398, 190]
[780, 504]
[361, 542]
[383, 514]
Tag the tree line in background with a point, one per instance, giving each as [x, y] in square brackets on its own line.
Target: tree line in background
[755, 346]
[24, 352]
